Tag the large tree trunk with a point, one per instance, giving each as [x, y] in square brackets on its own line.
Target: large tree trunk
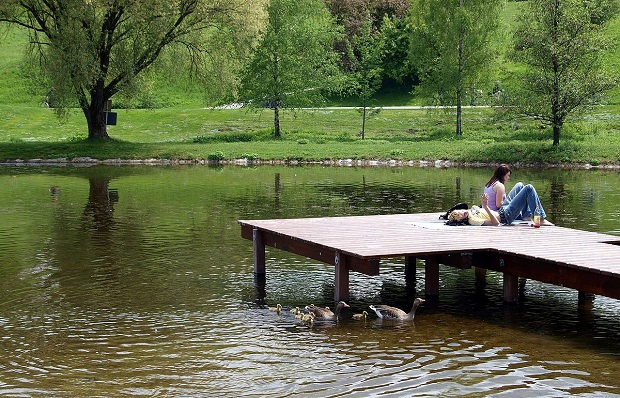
[96, 124]
[94, 112]
[276, 121]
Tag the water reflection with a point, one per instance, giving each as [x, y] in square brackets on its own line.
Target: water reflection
[99, 210]
[134, 281]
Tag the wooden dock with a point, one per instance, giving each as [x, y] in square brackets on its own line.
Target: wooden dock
[586, 261]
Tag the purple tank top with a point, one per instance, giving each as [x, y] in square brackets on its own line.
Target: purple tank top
[492, 196]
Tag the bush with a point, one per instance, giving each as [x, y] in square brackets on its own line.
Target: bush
[224, 137]
[216, 156]
[250, 156]
[234, 136]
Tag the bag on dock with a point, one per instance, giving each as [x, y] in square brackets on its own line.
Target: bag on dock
[458, 206]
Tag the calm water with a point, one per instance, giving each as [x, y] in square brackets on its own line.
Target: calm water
[134, 281]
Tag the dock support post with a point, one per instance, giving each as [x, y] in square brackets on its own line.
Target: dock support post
[481, 280]
[585, 298]
[259, 252]
[260, 292]
[410, 270]
[341, 278]
[511, 288]
[410, 277]
[431, 282]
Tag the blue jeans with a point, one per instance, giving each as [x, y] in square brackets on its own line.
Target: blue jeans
[521, 202]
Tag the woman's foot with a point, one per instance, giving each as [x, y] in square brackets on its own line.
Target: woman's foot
[545, 222]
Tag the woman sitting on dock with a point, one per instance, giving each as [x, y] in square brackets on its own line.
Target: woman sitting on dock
[496, 189]
[523, 203]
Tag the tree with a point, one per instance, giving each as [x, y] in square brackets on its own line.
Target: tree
[396, 37]
[364, 47]
[562, 43]
[365, 55]
[294, 63]
[452, 46]
[352, 15]
[91, 50]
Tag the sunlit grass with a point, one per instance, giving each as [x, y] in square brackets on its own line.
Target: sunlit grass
[34, 133]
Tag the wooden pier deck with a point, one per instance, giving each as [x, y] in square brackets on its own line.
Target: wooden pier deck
[586, 261]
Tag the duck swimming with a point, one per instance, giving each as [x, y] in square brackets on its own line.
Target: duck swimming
[277, 309]
[363, 315]
[325, 314]
[393, 313]
[308, 318]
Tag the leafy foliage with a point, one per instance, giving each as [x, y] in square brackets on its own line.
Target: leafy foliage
[92, 50]
[397, 63]
[452, 46]
[294, 64]
[354, 15]
[365, 53]
[562, 43]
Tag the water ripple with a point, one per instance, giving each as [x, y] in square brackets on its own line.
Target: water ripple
[156, 296]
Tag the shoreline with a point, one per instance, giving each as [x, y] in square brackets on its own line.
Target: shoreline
[440, 163]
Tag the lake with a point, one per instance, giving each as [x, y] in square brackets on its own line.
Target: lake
[135, 281]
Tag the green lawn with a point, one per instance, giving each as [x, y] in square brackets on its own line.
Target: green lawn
[193, 134]
[185, 130]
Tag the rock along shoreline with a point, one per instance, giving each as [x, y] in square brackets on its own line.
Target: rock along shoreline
[440, 163]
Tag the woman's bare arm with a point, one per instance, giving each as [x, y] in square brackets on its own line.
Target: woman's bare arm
[500, 194]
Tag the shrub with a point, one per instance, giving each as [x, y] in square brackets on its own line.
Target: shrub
[216, 156]
[250, 156]
[224, 137]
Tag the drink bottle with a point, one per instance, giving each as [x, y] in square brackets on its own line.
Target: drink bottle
[536, 218]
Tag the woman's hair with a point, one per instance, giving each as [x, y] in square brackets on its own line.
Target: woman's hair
[499, 175]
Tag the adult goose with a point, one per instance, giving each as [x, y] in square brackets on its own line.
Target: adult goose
[324, 313]
[396, 314]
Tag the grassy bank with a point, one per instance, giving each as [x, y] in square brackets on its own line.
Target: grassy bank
[403, 135]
